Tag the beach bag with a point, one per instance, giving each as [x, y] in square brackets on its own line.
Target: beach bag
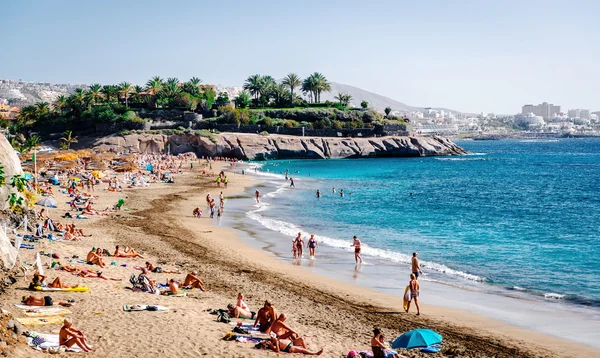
[151, 308]
[241, 330]
[223, 317]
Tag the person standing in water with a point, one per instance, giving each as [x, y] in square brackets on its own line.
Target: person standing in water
[257, 193]
[333, 190]
[342, 193]
[414, 293]
[318, 193]
[292, 185]
[356, 245]
[299, 244]
[416, 266]
[312, 245]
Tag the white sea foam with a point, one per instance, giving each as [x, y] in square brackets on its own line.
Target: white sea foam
[461, 159]
[275, 193]
[290, 229]
[555, 296]
[517, 288]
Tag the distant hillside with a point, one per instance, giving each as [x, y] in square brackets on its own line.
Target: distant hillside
[24, 93]
[375, 100]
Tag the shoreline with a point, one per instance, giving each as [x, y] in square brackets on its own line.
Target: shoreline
[515, 308]
[335, 314]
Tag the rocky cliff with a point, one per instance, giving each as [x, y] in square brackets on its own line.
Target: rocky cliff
[257, 147]
[11, 165]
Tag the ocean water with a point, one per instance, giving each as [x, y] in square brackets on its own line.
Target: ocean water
[514, 220]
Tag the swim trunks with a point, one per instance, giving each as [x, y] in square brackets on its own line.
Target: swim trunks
[47, 301]
[357, 250]
[416, 274]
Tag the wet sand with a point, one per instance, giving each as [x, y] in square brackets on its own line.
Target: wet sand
[333, 315]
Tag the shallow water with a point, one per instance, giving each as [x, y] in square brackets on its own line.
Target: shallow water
[516, 219]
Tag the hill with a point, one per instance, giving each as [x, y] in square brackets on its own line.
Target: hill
[24, 93]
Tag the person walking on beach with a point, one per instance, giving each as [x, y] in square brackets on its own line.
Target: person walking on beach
[312, 245]
[292, 185]
[416, 266]
[298, 243]
[356, 245]
[257, 193]
[221, 201]
[414, 293]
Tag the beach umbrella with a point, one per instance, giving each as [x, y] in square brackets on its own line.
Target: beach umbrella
[47, 202]
[27, 176]
[97, 174]
[417, 338]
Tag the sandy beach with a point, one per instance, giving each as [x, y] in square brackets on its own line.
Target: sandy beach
[331, 315]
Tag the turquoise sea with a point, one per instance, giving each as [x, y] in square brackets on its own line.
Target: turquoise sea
[514, 218]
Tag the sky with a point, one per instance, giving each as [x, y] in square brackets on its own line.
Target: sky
[472, 56]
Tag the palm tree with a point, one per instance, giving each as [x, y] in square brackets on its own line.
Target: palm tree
[60, 104]
[253, 85]
[28, 114]
[32, 142]
[42, 108]
[170, 89]
[192, 86]
[280, 94]
[95, 92]
[292, 80]
[124, 90]
[107, 90]
[343, 98]
[136, 95]
[68, 139]
[154, 85]
[322, 85]
[309, 86]
[243, 100]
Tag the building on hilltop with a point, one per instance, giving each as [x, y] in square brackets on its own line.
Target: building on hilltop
[545, 110]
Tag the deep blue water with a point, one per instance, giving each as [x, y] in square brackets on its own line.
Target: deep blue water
[516, 215]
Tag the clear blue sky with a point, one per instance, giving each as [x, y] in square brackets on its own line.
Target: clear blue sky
[490, 56]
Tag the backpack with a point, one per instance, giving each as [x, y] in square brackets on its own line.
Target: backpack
[223, 317]
[241, 330]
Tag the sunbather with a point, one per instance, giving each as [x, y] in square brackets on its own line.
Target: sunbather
[92, 274]
[238, 312]
[42, 301]
[173, 288]
[127, 252]
[156, 269]
[287, 346]
[69, 336]
[379, 348]
[283, 331]
[265, 316]
[40, 280]
[93, 258]
[192, 281]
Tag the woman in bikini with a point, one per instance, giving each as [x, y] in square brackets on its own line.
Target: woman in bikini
[379, 348]
[414, 293]
[287, 346]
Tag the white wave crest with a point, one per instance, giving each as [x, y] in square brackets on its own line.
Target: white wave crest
[290, 229]
[555, 296]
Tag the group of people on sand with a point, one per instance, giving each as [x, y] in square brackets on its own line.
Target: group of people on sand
[282, 337]
[222, 179]
[212, 206]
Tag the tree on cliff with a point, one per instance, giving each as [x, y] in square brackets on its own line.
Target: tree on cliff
[388, 110]
[292, 80]
[95, 93]
[109, 92]
[154, 85]
[193, 86]
[343, 98]
[314, 85]
[243, 100]
[124, 90]
[254, 85]
[364, 104]
[68, 139]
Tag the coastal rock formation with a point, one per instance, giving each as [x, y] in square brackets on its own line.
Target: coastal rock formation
[11, 166]
[257, 147]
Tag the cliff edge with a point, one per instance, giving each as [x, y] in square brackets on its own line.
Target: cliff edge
[258, 147]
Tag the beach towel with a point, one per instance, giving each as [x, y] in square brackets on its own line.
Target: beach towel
[136, 308]
[41, 311]
[43, 341]
[70, 289]
[247, 326]
[41, 321]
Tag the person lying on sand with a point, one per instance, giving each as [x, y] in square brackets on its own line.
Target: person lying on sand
[40, 280]
[127, 252]
[238, 312]
[283, 331]
[42, 301]
[192, 281]
[287, 346]
[92, 274]
[265, 316]
[94, 258]
[156, 269]
[69, 336]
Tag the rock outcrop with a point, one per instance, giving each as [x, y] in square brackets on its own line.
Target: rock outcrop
[257, 147]
[11, 165]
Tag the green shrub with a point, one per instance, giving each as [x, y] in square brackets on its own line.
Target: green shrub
[264, 133]
[322, 123]
[336, 125]
[124, 132]
[290, 124]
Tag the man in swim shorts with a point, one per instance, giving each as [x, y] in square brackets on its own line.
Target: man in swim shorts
[356, 245]
[416, 266]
